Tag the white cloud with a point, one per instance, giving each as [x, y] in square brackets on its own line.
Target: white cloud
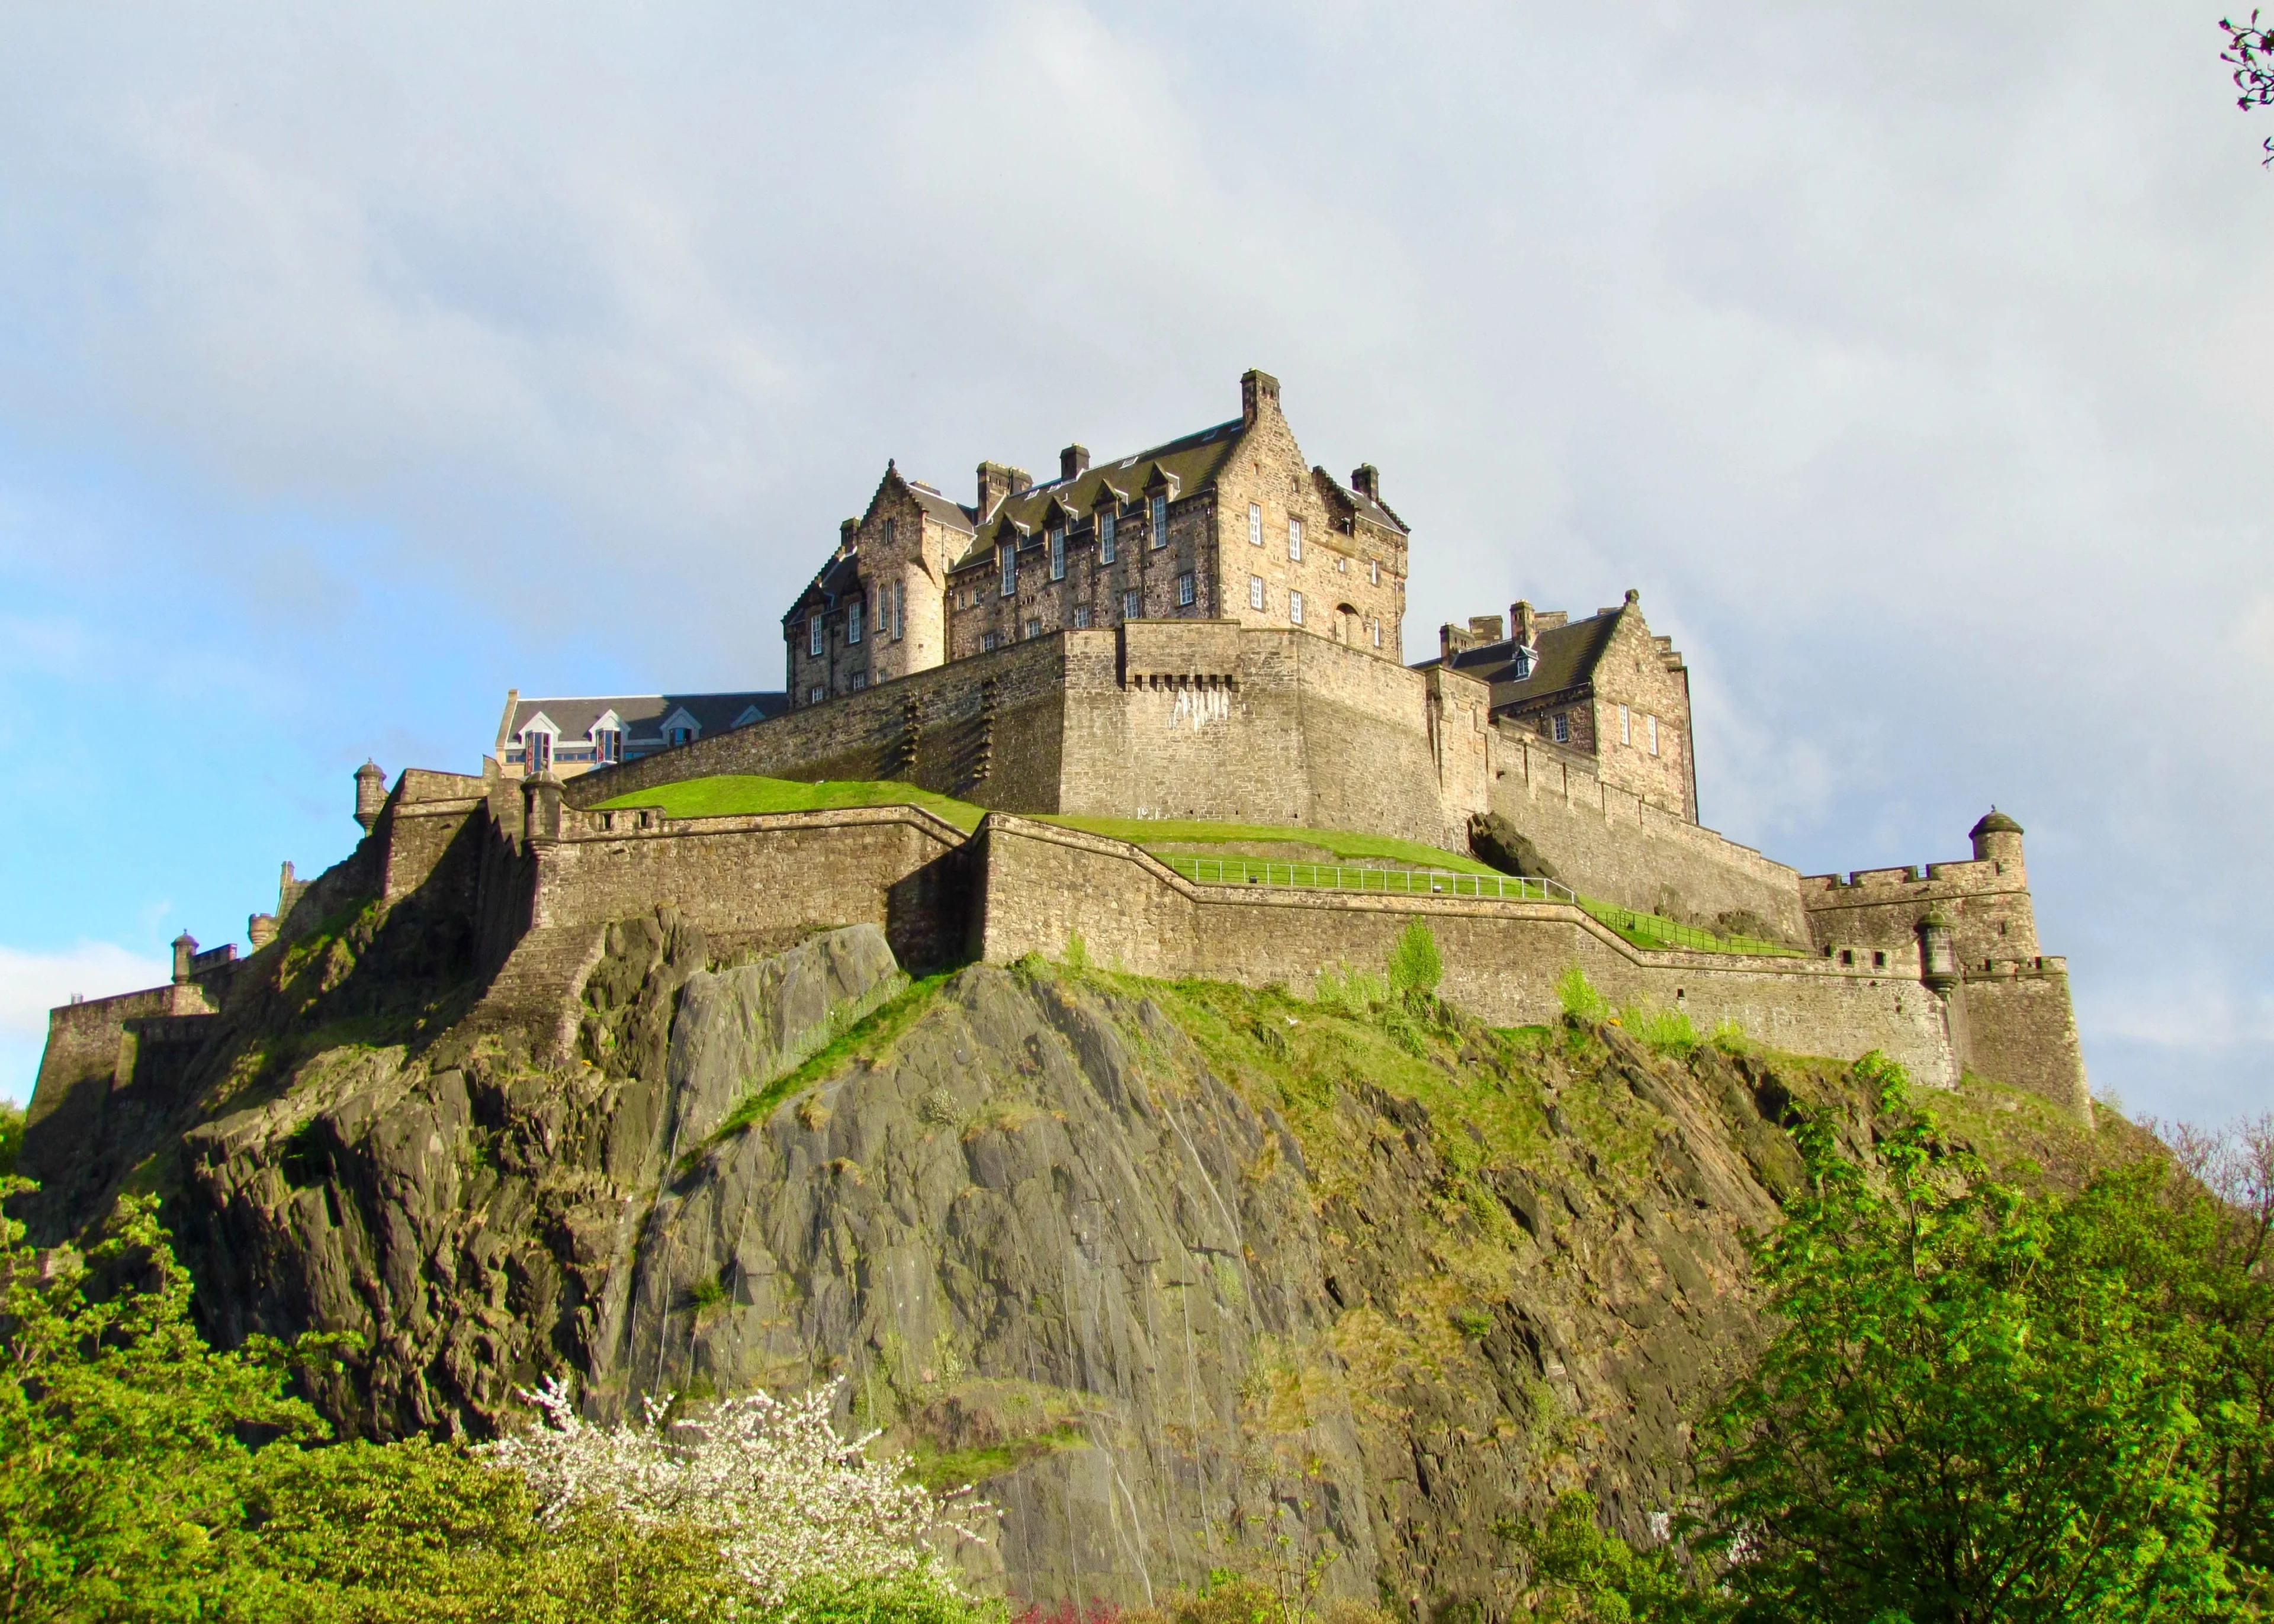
[32, 983]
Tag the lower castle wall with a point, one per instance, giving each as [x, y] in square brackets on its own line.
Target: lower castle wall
[92, 1048]
[1606, 842]
[1042, 884]
[2021, 1030]
[766, 881]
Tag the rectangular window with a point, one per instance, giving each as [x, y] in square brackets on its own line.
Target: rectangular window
[1652, 721]
[1373, 572]
[988, 641]
[1255, 591]
[1626, 726]
[889, 528]
[1033, 629]
[1295, 607]
[852, 621]
[1080, 616]
[899, 609]
[813, 636]
[860, 679]
[1294, 539]
[1255, 524]
[1185, 588]
[609, 744]
[539, 751]
[1342, 565]
[1130, 604]
[813, 696]
[1562, 727]
[1057, 555]
[1106, 538]
[1160, 521]
[1377, 633]
[1007, 556]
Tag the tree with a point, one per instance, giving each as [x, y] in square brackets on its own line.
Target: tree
[2250, 51]
[1972, 1408]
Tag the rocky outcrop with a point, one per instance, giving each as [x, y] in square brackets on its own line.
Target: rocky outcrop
[1187, 1276]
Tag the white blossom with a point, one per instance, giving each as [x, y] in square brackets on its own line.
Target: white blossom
[788, 1497]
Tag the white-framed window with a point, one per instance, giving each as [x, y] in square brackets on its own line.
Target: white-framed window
[1373, 572]
[860, 680]
[1560, 727]
[1185, 588]
[813, 636]
[1131, 604]
[1523, 666]
[1057, 555]
[1342, 565]
[1255, 591]
[1081, 617]
[1007, 557]
[1255, 524]
[608, 745]
[1294, 539]
[1106, 536]
[987, 641]
[536, 750]
[1377, 633]
[1626, 726]
[1034, 626]
[1295, 607]
[853, 620]
[1160, 521]
[1653, 722]
[814, 695]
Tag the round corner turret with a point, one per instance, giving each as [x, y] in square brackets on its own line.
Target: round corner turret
[371, 795]
[1997, 839]
[185, 951]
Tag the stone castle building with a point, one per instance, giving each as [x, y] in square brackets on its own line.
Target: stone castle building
[1211, 629]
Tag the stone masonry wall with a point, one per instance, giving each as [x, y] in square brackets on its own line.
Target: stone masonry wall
[985, 729]
[1606, 842]
[1042, 884]
[767, 881]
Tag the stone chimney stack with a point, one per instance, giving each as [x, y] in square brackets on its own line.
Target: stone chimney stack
[1074, 462]
[1259, 392]
[185, 949]
[845, 528]
[997, 480]
[371, 795]
[1522, 623]
[1484, 628]
[1365, 480]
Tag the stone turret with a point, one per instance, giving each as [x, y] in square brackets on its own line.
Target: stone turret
[1997, 839]
[541, 807]
[371, 795]
[185, 951]
[1937, 958]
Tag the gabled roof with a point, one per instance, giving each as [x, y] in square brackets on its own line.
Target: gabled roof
[1565, 657]
[952, 515]
[643, 714]
[833, 580]
[1190, 463]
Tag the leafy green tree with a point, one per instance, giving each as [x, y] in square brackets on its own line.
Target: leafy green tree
[1973, 1411]
[11, 1137]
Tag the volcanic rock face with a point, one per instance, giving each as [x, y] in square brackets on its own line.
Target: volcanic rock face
[1186, 1277]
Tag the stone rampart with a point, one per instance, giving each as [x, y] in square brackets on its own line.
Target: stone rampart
[1607, 842]
[762, 881]
[1043, 884]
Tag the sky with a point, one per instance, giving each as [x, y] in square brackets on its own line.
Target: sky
[1911, 361]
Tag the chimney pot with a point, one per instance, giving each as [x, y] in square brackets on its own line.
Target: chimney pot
[1074, 462]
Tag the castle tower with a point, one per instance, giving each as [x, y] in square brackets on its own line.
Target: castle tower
[371, 795]
[186, 950]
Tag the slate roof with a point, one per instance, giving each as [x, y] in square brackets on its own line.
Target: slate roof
[643, 714]
[1192, 462]
[953, 515]
[1567, 657]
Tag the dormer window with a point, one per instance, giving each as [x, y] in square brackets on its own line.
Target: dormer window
[680, 735]
[1522, 668]
[1159, 523]
[1057, 555]
[536, 750]
[1007, 556]
[1105, 527]
[608, 745]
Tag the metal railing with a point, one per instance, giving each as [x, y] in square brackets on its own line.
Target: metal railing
[1379, 881]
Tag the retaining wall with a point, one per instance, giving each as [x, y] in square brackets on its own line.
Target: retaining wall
[1041, 885]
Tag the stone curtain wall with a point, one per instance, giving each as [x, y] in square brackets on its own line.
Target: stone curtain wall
[1606, 842]
[766, 882]
[1042, 884]
[985, 729]
[2019, 1030]
[1992, 921]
